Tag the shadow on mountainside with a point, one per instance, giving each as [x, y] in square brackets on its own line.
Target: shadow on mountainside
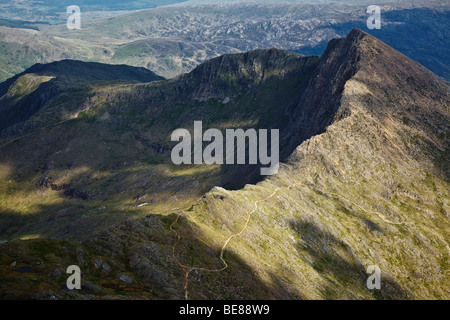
[335, 261]
[134, 259]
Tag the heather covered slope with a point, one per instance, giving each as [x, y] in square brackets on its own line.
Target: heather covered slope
[370, 189]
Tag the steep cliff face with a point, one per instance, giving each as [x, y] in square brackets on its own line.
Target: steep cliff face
[320, 102]
[365, 182]
[230, 75]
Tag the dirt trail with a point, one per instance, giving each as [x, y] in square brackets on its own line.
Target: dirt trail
[189, 269]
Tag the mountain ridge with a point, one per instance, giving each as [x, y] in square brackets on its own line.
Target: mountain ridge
[80, 70]
[366, 183]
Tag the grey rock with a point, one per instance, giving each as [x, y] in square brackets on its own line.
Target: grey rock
[106, 267]
[90, 287]
[56, 273]
[98, 263]
[125, 278]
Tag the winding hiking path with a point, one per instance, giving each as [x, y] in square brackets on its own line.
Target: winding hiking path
[188, 269]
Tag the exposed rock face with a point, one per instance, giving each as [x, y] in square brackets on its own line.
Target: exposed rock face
[320, 102]
[365, 182]
[230, 75]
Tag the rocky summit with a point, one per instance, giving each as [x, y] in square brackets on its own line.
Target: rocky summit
[86, 179]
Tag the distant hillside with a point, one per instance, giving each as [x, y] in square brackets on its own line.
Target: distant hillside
[22, 48]
[429, 46]
[54, 11]
[347, 2]
[173, 40]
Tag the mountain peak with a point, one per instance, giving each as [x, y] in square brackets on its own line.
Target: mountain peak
[357, 33]
[347, 44]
